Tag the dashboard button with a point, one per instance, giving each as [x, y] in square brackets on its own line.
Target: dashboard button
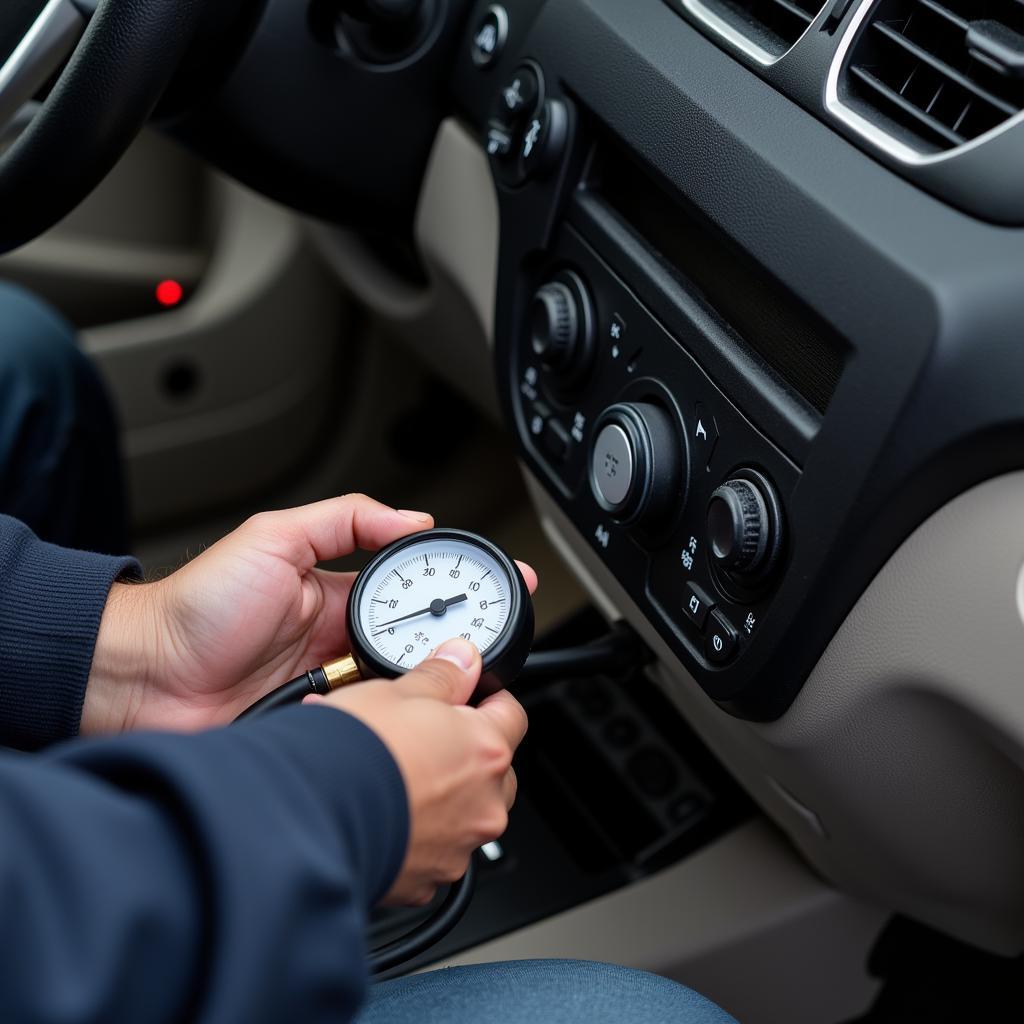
[555, 440]
[499, 141]
[538, 418]
[519, 97]
[638, 464]
[697, 605]
[617, 335]
[704, 435]
[545, 139]
[612, 467]
[720, 642]
[490, 36]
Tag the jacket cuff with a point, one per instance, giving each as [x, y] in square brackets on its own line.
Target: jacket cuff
[51, 603]
[357, 777]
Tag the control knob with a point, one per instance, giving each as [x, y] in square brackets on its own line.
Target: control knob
[638, 469]
[744, 525]
[561, 326]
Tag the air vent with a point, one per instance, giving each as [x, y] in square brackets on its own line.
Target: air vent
[933, 76]
[764, 29]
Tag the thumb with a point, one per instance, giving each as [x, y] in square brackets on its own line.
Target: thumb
[450, 674]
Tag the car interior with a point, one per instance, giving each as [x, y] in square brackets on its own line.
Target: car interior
[711, 311]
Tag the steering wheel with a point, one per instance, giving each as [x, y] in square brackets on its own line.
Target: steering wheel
[123, 54]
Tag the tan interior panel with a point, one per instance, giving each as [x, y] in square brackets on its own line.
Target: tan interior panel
[742, 921]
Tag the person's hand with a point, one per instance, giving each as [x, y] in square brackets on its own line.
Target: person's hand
[456, 761]
[251, 612]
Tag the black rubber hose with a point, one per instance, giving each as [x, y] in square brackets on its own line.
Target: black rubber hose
[618, 651]
[292, 692]
[432, 930]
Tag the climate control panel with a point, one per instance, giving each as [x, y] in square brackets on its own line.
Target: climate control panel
[677, 491]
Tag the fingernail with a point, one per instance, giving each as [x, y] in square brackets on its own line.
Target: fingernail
[420, 517]
[458, 651]
[313, 698]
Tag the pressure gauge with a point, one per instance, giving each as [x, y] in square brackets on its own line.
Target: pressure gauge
[430, 587]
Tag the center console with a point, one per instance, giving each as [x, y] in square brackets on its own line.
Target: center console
[724, 336]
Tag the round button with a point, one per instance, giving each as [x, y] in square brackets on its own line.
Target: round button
[555, 325]
[490, 36]
[612, 468]
[637, 464]
[742, 534]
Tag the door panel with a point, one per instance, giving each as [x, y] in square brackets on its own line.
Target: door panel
[150, 220]
[225, 395]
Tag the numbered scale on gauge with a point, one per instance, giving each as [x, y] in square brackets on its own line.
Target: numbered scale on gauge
[431, 587]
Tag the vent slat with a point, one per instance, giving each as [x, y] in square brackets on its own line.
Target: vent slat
[924, 119]
[912, 71]
[945, 69]
[771, 26]
[944, 12]
[795, 10]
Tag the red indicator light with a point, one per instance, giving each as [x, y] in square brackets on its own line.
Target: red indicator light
[169, 293]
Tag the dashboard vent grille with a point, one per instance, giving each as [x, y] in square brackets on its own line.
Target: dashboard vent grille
[770, 27]
[936, 75]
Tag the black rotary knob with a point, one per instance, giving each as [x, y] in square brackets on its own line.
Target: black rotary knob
[555, 321]
[637, 464]
[561, 327]
[742, 531]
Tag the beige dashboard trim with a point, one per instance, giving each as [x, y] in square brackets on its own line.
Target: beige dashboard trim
[457, 221]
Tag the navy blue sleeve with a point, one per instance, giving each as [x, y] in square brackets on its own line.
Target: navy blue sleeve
[219, 877]
[51, 602]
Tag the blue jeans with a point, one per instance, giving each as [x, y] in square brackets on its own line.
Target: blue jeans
[60, 469]
[538, 992]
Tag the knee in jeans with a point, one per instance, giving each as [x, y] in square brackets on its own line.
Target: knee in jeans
[38, 349]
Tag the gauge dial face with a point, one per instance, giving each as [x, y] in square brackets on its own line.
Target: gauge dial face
[430, 591]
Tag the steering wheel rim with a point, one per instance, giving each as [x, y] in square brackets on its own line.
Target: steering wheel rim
[126, 55]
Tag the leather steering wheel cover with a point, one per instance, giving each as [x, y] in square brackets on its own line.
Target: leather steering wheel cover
[117, 74]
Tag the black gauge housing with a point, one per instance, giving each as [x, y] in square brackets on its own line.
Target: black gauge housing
[503, 660]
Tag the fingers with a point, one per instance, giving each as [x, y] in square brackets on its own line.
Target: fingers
[329, 529]
[506, 714]
[528, 575]
[510, 788]
[449, 675]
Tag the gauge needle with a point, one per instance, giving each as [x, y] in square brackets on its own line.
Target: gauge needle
[436, 607]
